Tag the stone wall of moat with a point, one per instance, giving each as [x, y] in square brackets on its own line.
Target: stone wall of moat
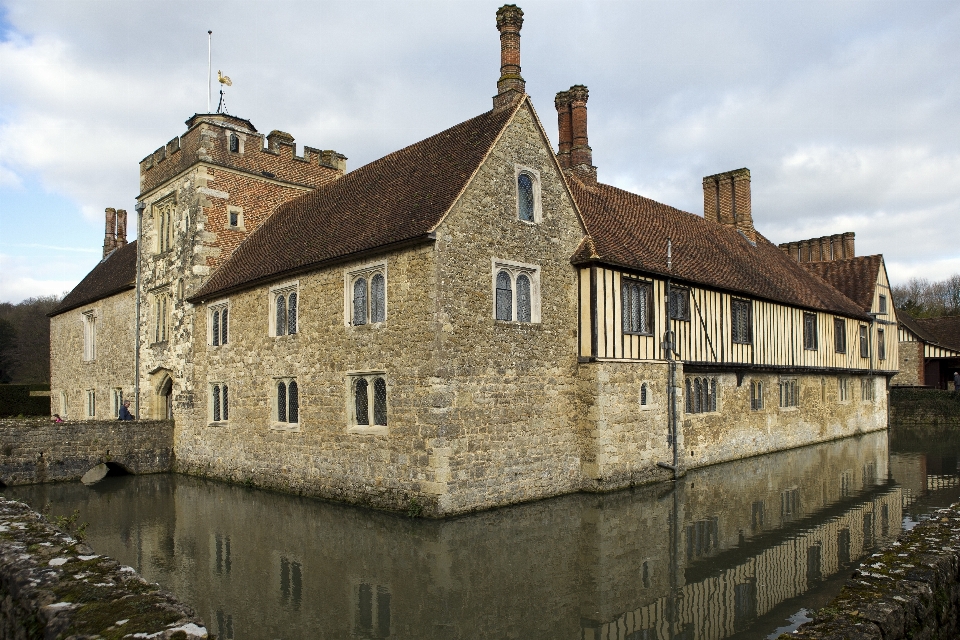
[38, 450]
[54, 586]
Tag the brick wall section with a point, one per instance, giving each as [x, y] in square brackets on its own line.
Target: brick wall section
[33, 451]
[52, 586]
[208, 141]
[911, 590]
[113, 366]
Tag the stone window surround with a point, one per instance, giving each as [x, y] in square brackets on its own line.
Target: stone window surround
[160, 314]
[217, 307]
[63, 404]
[756, 395]
[88, 320]
[116, 401]
[366, 270]
[795, 382]
[537, 200]
[222, 421]
[234, 209]
[868, 390]
[514, 269]
[352, 426]
[843, 390]
[163, 244]
[241, 139]
[91, 406]
[275, 425]
[645, 397]
[283, 288]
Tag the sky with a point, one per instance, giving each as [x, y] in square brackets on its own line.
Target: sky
[845, 112]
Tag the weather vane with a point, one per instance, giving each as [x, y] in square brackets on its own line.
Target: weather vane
[225, 81]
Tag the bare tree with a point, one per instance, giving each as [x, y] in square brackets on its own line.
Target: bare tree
[924, 299]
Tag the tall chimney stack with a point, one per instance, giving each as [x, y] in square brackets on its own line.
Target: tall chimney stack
[110, 231]
[121, 228]
[511, 84]
[581, 155]
[565, 124]
[726, 200]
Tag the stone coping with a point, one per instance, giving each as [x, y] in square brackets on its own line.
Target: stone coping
[53, 586]
[909, 590]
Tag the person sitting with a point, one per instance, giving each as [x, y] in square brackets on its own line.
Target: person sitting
[125, 411]
[57, 418]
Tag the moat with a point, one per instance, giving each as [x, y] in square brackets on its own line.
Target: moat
[740, 550]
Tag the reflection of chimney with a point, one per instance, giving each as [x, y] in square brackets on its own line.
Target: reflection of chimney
[726, 200]
[110, 231]
[511, 84]
[562, 102]
[121, 228]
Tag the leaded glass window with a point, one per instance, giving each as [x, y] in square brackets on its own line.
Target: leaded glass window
[223, 326]
[360, 301]
[281, 315]
[504, 297]
[216, 403]
[756, 395]
[216, 327]
[378, 299]
[225, 401]
[525, 196]
[635, 300]
[810, 331]
[741, 322]
[840, 335]
[281, 402]
[234, 143]
[643, 394]
[701, 396]
[293, 399]
[679, 303]
[362, 407]
[292, 314]
[523, 298]
[379, 401]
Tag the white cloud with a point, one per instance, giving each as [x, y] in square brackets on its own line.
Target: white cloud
[22, 278]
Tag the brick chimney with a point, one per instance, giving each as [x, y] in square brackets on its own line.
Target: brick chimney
[839, 246]
[121, 228]
[110, 231]
[565, 124]
[726, 201]
[511, 84]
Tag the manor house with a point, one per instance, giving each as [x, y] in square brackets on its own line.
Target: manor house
[471, 321]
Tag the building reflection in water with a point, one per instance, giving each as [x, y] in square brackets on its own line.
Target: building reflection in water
[706, 558]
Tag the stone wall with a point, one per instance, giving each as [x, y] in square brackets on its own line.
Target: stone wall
[911, 590]
[911, 365]
[112, 368]
[925, 408]
[52, 586]
[33, 450]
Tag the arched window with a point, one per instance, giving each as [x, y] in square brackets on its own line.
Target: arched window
[701, 395]
[216, 403]
[292, 315]
[689, 396]
[281, 402]
[281, 316]
[523, 298]
[360, 301]
[362, 407]
[504, 297]
[697, 395]
[234, 143]
[525, 197]
[293, 399]
[378, 299]
[379, 401]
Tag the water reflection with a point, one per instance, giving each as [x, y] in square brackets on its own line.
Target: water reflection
[730, 550]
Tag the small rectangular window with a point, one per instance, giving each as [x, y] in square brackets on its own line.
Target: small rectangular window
[116, 398]
[679, 303]
[864, 342]
[881, 346]
[756, 395]
[840, 335]
[883, 303]
[89, 336]
[91, 403]
[810, 331]
[843, 388]
[235, 217]
[741, 321]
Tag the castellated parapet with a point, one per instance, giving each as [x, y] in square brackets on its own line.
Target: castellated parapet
[228, 141]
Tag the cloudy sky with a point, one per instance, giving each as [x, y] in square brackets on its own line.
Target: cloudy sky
[846, 112]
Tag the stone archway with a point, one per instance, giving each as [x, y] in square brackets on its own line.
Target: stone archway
[162, 401]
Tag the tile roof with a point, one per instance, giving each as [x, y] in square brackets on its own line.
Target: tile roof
[855, 278]
[945, 330]
[400, 197]
[631, 231]
[910, 323]
[115, 273]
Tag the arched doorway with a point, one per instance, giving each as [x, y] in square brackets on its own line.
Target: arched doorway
[162, 402]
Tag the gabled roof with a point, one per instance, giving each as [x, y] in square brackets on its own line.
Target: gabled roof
[398, 198]
[115, 273]
[945, 330]
[911, 325]
[855, 278]
[631, 231]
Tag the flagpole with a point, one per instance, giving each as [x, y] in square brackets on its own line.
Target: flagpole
[209, 72]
